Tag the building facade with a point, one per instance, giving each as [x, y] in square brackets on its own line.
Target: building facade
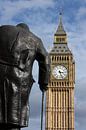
[60, 94]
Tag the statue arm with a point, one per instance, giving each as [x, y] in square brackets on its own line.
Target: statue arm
[44, 66]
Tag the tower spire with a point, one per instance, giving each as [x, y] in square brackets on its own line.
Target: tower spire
[60, 35]
[60, 30]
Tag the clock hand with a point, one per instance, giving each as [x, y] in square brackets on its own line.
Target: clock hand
[60, 71]
[61, 74]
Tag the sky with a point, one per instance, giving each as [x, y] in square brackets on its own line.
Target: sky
[42, 17]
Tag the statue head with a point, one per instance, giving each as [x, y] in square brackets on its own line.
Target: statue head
[23, 25]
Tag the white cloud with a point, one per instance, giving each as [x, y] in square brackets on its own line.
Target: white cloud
[81, 13]
[10, 9]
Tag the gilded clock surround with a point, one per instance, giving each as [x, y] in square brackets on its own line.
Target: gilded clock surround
[60, 95]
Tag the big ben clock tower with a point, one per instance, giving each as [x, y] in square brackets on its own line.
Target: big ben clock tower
[60, 94]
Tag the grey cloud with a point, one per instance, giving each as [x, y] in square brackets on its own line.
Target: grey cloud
[35, 102]
[34, 124]
[81, 89]
[80, 104]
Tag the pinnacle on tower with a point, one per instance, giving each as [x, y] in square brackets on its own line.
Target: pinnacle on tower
[60, 29]
[60, 35]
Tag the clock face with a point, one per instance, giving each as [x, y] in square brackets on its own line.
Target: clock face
[59, 72]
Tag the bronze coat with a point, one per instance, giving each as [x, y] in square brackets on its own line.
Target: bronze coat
[18, 50]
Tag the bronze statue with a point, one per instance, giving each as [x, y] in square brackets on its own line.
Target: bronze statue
[19, 47]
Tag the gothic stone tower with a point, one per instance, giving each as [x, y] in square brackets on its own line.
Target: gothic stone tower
[60, 95]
